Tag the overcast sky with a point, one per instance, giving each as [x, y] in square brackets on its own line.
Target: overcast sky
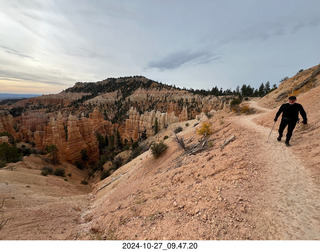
[48, 45]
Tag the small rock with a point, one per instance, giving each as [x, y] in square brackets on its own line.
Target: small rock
[243, 209]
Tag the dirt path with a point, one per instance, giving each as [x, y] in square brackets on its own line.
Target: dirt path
[291, 198]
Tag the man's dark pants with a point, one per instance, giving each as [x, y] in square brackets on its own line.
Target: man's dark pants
[291, 125]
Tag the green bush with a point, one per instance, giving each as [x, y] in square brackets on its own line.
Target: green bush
[26, 151]
[84, 182]
[46, 170]
[59, 172]
[79, 165]
[235, 102]
[178, 129]
[9, 153]
[117, 163]
[103, 159]
[135, 153]
[2, 163]
[165, 137]
[105, 173]
[53, 153]
[135, 145]
[158, 148]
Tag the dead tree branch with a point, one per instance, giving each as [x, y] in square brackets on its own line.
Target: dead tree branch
[180, 141]
[227, 141]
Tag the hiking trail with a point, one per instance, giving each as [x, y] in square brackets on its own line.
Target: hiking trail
[290, 198]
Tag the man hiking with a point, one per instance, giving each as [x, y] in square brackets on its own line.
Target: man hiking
[290, 116]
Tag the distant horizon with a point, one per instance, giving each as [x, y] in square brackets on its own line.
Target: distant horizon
[18, 95]
[173, 85]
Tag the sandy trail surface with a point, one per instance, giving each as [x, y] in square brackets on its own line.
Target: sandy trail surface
[291, 197]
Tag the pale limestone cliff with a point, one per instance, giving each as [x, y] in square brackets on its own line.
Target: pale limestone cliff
[136, 124]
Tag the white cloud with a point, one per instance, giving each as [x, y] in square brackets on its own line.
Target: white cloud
[201, 42]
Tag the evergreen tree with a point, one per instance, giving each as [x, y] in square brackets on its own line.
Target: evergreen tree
[237, 92]
[156, 126]
[118, 140]
[267, 88]
[53, 153]
[261, 91]
[101, 141]
[84, 156]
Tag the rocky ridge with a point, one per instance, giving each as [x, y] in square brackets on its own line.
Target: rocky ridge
[130, 105]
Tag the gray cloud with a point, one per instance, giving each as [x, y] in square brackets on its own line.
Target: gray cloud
[55, 78]
[17, 53]
[179, 58]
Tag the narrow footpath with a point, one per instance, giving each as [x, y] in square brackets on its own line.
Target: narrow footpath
[291, 198]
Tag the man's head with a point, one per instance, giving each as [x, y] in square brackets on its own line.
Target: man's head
[292, 100]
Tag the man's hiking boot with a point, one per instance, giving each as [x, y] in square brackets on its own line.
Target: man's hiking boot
[287, 143]
[279, 138]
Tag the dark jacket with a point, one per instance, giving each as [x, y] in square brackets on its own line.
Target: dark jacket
[291, 112]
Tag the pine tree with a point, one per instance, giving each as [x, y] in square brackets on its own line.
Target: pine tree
[53, 153]
[261, 90]
[156, 126]
[267, 88]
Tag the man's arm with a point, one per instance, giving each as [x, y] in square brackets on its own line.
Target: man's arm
[278, 113]
[303, 114]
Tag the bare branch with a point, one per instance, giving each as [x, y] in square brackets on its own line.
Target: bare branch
[180, 141]
[227, 141]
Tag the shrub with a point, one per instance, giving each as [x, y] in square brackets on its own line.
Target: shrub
[2, 163]
[59, 172]
[9, 153]
[104, 174]
[235, 102]
[158, 148]
[178, 129]
[53, 153]
[103, 159]
[135, 145]
[156, 126]
[135, 153]
[79, 165]
[165, 137]
[117, 163]
[187, 124]
[26, 151]
[244, 109]
[84, 182]
[46, 170]
[204, 129]
[84, 155]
